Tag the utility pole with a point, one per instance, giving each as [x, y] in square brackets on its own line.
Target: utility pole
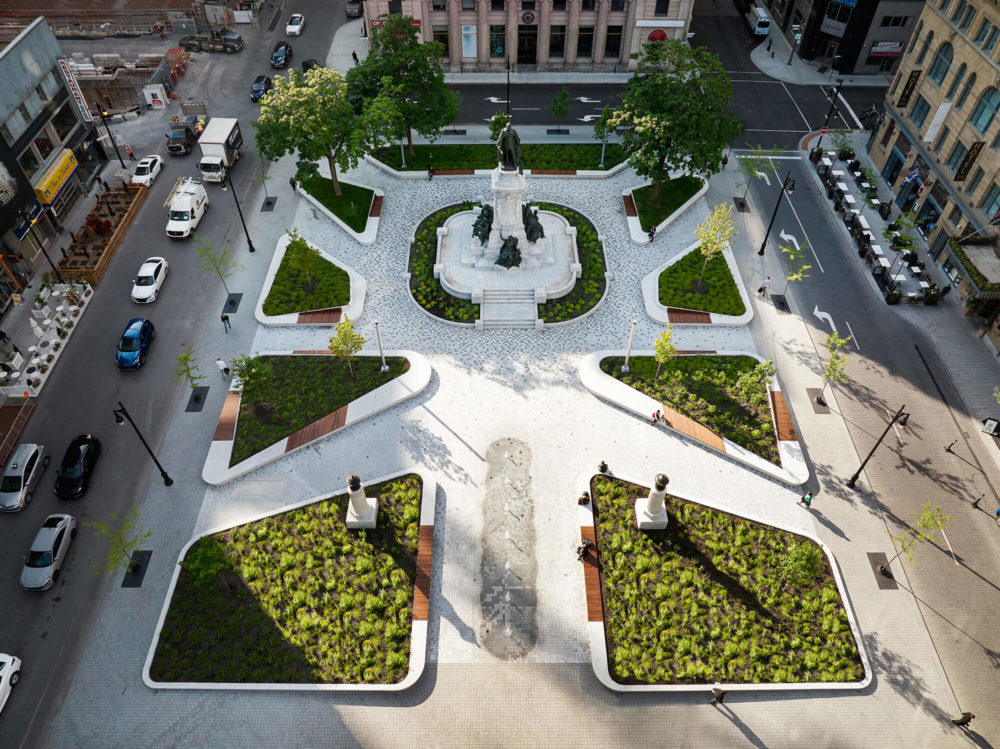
[902, 418]
[507, 62]
[829, 113]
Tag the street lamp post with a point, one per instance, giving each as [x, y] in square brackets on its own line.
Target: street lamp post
[229, 178]
[787, 186]
[378, 336]
[104, 119]
[830, 111]
[899, 416]
[34, 234]
[120, 416]
[628, 353]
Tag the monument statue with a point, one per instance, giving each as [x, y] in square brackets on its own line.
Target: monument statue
[533, 230]
[509, 149]
[484, 223]
[509, 256]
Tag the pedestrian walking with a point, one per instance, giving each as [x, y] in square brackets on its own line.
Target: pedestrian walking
[430, 173]
[103, 183]
[654, 419]
[806, 500]
[354, 55]
[223, 367]
[765, 286]
[3, 337]
[964, 720]
[225, 322]
[651, 233]
[291, 181]
[128, 150]
[718, 696]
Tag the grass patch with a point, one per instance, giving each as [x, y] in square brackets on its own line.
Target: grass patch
[655, 209]
[425, 288]
[721, 295]
[352, 207]
[484, 156]
[706, 599]
[589, 288]
[701, 388]
[297, 598]
[306, 388]
[292, 291]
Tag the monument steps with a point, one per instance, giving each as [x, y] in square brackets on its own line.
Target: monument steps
[508, 308]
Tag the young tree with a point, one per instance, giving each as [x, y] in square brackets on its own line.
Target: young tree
[498, 122]
[603, 129]
[833, 369]
[751, 163]
[301, 256]
[996, 394]
[123, 536]
[675, 112]
[311, 116]
[716, 233]
[664, 349]
[752, 386]
[803, 562]
[346, 342]
[797, 266]
[223, 262]
[424, 101]
[256, 377]
[931, 521]
[560, 104]
[187, 367]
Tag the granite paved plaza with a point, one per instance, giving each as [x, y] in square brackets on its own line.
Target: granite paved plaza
[494, 388]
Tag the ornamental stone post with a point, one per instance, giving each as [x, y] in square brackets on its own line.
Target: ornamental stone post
[361, 511]
[650, 512]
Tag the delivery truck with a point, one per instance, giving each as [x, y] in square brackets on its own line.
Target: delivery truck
[220, 148]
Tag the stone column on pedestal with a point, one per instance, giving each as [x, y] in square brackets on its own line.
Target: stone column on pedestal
[650, 512]
[361, 511]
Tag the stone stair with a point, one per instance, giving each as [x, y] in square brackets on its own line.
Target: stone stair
[513, 308]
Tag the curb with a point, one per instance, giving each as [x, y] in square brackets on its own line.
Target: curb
[640, 235]
[370, 233]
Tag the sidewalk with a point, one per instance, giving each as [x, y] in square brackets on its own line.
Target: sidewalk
[801, 72]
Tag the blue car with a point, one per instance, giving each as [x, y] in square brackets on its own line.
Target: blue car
[282, 55]
[134, 345]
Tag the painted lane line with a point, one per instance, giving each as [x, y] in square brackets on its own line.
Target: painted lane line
[808, 126]
[949, 547]
[853, 337]
[825, 316]
[850, 111]
[802, 227]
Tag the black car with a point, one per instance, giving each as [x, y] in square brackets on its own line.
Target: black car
[260, 86]
[77, 466]
[353, 9]
[309, 64]
[282, 55]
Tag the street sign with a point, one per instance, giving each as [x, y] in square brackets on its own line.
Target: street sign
[824, 130]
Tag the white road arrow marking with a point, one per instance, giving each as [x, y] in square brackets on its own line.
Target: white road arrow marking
[762, 174]
[585, 100]
[825, 316]
[495, 100]
[589, 117]
[789, 238]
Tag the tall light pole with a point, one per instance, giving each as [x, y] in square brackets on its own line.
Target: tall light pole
[628, 353]
[830, 111]
[507, 62]
[34, 234]
[229, 178]
[787, 186]
[104, 118]
[378, 336]
[899, 416]
[120, 416]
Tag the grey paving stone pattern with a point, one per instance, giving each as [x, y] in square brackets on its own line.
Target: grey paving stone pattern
[508, 567]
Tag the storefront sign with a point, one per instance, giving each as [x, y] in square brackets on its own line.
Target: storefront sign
[53, 178]
[908, 89]
[970, 158]
[21, 227]
[74, 90]
[886, 49]
[377, 22]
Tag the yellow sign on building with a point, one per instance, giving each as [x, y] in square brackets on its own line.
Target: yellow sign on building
[53, 178]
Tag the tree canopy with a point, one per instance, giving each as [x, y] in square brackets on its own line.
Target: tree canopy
[423, 99]
[312, 116]
[675, 112]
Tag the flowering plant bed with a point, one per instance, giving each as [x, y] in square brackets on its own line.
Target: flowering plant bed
[654, 209]
[295, 290]
[721, 294]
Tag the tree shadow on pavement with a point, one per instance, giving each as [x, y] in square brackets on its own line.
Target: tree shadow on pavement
[901, 674]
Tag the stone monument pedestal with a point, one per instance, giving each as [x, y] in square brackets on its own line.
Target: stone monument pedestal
[361, 511]
[650, 512]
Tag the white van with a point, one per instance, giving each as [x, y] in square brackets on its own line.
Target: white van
[188, 202]
[758, 20]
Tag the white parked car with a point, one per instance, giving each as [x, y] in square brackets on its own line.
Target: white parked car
[146, 171]
[10, 672]
[295, 25]
[149, 280]
[48, 552]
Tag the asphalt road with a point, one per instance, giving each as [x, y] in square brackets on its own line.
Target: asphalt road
[48, 630]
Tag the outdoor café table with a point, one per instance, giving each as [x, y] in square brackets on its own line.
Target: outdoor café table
[924, 285]
[837, 172]
[842, 186]
[864, 222]
[915, 270]
[826, 162]
[883, 262]
[877, 250]
[849, 199]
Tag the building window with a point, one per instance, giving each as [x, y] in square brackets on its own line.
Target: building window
[986, 109]
[441, 35]
[527, 4]
[957, 156]
[965, 91]
[955, 83]
[44, 142]
[923, 50]
[585, 42]
[991, 201]
[64, 121]
[439, 5]
[557, 42]
[919, 112]
[943, 5]
[966, 21]
[991, 39]
[942, 61]
[915, 37]
[558, 5]
[586, 5]
[29, 162]
[468, 4]
[613, 43]
[945, 132]
[49, 86]
[496, 5]
[838, 12]
[662, 8]
[16, 124]
[498, 39]
[894, 22]
[959, 10]
[972, 184]
[617, 6]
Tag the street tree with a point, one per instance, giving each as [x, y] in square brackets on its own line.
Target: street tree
[675, 112]
[346, 342]
[187, 367]
[256, 378]
[310, 115]
[834, 367]
[664, 349]
[929, 524]
[303, 257]
[803, 562]
[603, 129]
[797, 266]
[560, 104]
[996, 394]
[498, 122]
[123, 536]
[221, 262]
[752, 386]
[715, 233]
[752, 162]
[417, 87]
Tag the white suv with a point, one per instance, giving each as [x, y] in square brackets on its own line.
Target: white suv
[21, 476]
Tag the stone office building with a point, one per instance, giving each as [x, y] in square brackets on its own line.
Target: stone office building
[578, 35]
[938, 146]
[48, 152]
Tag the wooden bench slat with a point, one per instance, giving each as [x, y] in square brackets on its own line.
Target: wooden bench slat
[691, 428]
[226, 428]
[782, 418]
[422, 592]
[678, 315]
[330, 315]
[592, 577]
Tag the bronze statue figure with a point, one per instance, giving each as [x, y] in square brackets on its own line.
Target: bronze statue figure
[509, 255]
[509, 149]
[484, 223]
[533, 230]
